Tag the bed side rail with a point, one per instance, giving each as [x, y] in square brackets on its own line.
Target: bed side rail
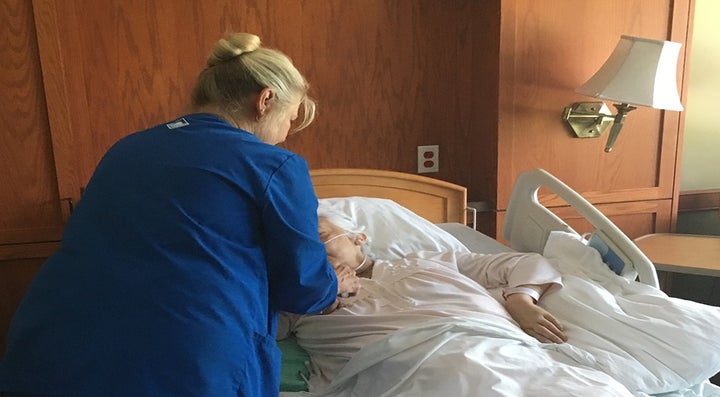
[528, 223]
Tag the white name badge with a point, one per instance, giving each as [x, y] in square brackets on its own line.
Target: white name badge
[177, 124]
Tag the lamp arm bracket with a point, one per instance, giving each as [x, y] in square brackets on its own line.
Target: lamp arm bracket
[622, 110]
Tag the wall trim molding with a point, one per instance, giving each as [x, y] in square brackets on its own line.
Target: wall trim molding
[699, 200]
[28, 251]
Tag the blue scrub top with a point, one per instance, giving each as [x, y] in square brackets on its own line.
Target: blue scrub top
[188, 240]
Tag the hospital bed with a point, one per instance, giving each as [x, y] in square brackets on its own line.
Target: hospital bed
[407, 213]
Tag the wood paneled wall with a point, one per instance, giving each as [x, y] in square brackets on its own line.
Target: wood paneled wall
[485, 80]
[548, 53]
[29, 202]
[388, 75]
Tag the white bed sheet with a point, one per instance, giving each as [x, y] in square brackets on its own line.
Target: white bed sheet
[462, 356]
[599, 276]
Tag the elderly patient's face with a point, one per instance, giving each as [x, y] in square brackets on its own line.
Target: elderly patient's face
[342, 249]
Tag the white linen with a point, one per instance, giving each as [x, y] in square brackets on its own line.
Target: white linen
[394, 230]
[625, 339]
[677, 341]
[411, 291]
[485, 356]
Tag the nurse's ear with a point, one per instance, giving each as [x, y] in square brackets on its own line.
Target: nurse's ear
[264, 102]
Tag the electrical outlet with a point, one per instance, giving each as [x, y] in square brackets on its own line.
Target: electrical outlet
[428, 159]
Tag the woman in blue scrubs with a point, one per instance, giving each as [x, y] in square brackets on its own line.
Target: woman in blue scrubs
[188, 240]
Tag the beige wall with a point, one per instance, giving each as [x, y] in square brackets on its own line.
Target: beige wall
[700, 164]
[700, 161]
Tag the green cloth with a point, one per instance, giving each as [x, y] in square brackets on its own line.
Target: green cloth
[293, 364]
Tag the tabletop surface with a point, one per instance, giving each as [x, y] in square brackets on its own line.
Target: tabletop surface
[683, 253]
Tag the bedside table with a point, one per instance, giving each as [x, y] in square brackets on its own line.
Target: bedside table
[682, 253]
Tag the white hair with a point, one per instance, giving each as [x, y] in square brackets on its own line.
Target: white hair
[347, 224]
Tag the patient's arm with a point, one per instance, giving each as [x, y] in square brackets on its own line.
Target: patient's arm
[507, 269]
[526, 276]
[533, 319]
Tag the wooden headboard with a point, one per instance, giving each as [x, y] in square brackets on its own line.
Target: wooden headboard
[435, 200]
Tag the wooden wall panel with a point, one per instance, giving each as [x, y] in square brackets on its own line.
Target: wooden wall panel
[402, 74]
[16, 277]
[546, 53]
[29, 205]
[388, 76]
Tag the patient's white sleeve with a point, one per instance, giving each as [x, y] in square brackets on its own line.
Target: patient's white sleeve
[506, 269]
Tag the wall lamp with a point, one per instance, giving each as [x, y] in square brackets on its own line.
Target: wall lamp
[639, 72]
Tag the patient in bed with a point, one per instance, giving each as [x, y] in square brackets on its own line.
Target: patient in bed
[433, 323]
[422, 287]
[458, 277]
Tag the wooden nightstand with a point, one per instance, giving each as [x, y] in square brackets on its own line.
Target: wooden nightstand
[682, 253]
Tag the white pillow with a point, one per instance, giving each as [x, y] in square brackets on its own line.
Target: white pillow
[394, 230]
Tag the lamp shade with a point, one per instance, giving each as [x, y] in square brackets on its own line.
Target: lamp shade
[638, 72]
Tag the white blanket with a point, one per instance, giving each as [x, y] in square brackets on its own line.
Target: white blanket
[672, 343]
[625, 339]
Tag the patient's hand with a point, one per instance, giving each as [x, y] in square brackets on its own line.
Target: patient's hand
[348, 281]
[534, 320]
[348, 284]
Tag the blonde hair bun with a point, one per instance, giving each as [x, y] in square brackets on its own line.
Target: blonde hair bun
[233, 46]
[238, 68]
